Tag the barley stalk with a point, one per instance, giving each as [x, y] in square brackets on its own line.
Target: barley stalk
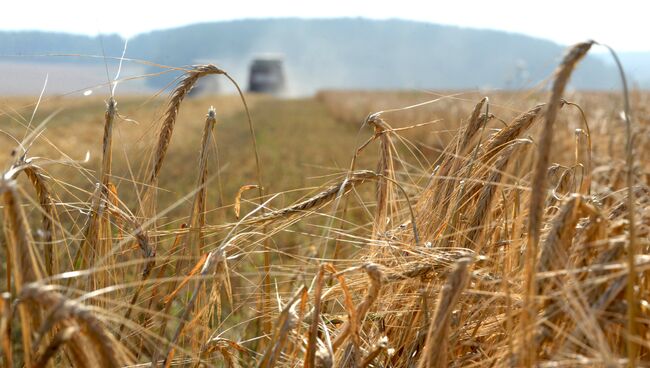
[286, 322]
[180, 92]
[538, 194]
[435, 350]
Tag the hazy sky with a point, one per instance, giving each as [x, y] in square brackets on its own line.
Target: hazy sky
[624, 24]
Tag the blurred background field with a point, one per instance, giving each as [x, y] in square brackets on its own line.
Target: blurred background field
[304, 143]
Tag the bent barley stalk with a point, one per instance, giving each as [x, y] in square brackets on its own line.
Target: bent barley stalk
[38, 180]
[191, 77]
[180, 92]
[26, 265]
[538, 195]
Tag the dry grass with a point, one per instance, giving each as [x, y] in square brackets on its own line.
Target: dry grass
[479, 244]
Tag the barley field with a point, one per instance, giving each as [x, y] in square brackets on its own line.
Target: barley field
[347, 229]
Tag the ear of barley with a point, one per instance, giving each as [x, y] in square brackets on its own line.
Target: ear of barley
[513, 131]
[180, 92]
[111, 352]
[435, 349]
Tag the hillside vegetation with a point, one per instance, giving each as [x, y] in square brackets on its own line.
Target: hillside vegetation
[332, 53]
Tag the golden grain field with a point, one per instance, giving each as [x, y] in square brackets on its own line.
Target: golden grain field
[348, 229]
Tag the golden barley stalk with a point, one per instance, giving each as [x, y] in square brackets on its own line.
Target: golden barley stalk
[538, 195]
[435, 349]
[180, 92]
[287, 321]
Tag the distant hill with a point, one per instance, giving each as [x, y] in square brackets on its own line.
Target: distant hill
[637, 65]
[24, 66]
[334, 53]
[25, 43]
